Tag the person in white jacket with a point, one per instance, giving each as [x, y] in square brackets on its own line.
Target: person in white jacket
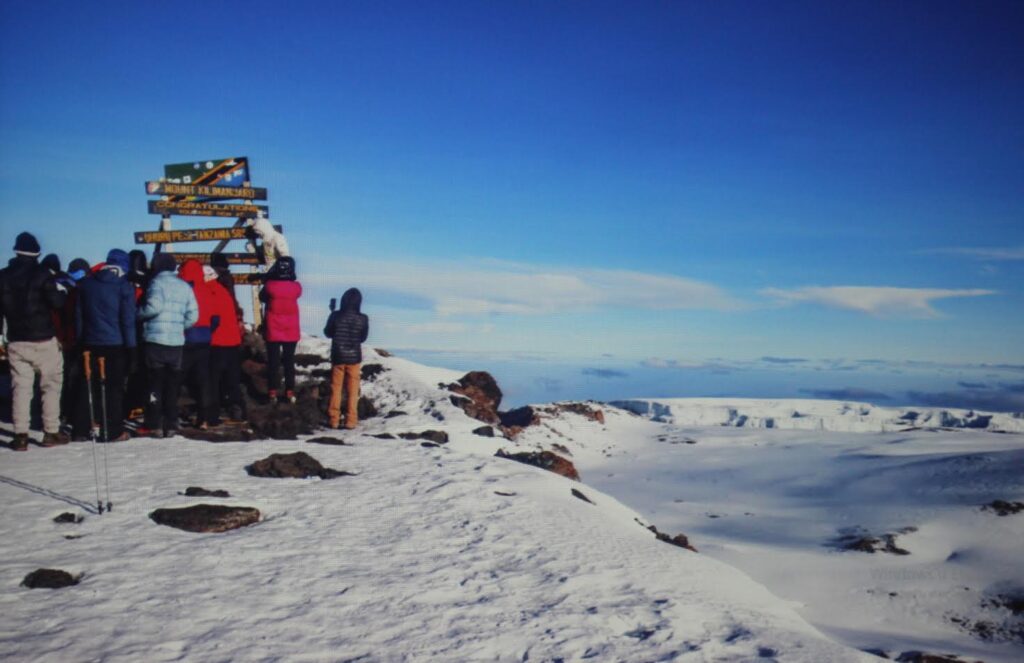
[274, 244]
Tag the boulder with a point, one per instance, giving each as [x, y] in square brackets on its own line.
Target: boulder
[1003, 507]
[545, 460]
[69, 518]
[581, 409]
[435, 436]
[679, 540]
[196, 491]
[484, 431]
[338, 442]
[206, 517]
[521, 417]
[286, 421]
[306, 360]
[478, 396]
[49, 579]
[298, 465]
[369, 372]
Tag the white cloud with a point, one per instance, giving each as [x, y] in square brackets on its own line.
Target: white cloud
[986, 252]
[488, 287]
[878, 301]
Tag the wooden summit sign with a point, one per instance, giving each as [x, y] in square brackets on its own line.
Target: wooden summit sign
[206, 258]
[194, 235]
[189, 208]
[205, 191]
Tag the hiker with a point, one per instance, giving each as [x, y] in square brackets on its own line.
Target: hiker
[64, 320]
[28, 297]
[135, 392]
[225, 353]
[105, 327]
[170, 308]
[219, 262]
[280, 296]
[347, 328]
[195, 361]
[272, 246]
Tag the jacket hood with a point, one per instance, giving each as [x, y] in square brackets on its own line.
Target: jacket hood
[51, 262]
[118, 258]
[351, 301]
[163, 262]
[137, 262]
[282, 270]
[191, 271]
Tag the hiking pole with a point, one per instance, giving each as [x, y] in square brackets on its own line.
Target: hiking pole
[93, 429]
[102, 361]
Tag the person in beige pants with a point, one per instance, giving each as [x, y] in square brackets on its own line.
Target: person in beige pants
[27, 359]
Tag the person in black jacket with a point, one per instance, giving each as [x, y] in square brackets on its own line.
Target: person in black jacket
[347, 328]
[29, 295]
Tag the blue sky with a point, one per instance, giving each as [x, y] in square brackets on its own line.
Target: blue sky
[641, 188]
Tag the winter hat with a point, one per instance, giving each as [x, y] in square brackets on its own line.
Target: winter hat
[219, 261]
[26, 244]
[283, 269]
[137, 260]
[51, 262]
[163, 262]
[118, 258]
[209, 273]
[351, 301]
[78, 268]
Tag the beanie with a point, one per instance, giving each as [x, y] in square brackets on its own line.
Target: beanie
[51, 262]
[163, 262]
[118, 258]
[26, 245]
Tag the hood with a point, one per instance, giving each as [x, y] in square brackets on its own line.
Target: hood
[263, 228]
[282, 270]
[191, 271]
[137, 262]
[118, 258]
[163, 262]
[209, 273]
[51, 262]
[351, 301]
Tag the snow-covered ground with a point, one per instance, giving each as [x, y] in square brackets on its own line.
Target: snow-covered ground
[447, 553]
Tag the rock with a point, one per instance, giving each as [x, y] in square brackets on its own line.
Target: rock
[206, 517]
[328, 440]
[545, 460]
[49, 579]
[429, 444]
[222, 433]
[922, 657]
[382, 353]
[254, 378]
[484, 431]
[521, 417]
[286, 421]
[577, 494]
[306, 360]
[395, 413]
[196, 491]
[481, 396]
[365, 408]
[384, 436]
[68, 517]
[369, 372]
[860, 541]
[679, 540]
[436, 436]
[581, 409]
[1003, 508]
[298, 465]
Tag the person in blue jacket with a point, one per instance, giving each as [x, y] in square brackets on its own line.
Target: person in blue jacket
[105, 327]
[170, 308]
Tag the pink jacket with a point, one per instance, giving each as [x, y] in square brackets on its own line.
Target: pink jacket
[282, 299]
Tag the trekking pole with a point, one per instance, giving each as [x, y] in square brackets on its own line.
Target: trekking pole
[93, 429]
[102, 361]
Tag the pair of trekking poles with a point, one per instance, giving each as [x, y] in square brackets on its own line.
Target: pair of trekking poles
[94, 427]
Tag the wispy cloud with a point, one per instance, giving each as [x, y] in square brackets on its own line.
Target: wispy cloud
[783, 360]
[1001, 400]
[878, 301]
[985, 252]
[606, 373]
[847, 394]
[489, 287]
[685, 365]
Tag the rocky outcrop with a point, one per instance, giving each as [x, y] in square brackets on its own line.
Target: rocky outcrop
[298, 465]
[484, 431]
[1003, 508]
[545, 460]
[332, 441]
[519, 418]
[861, 541]
[369, 372]
[435, 436]
[582, 409]
[208, 518]
[286, 421]
[196, 491]
[49, 579]
[680, 540]
[69, 518]
[478, 395]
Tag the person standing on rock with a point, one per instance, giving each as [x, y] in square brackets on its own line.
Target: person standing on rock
[225, 353]
[28, 297]
[281, 319]
[170, 308]
[105, 327]
[347, 328]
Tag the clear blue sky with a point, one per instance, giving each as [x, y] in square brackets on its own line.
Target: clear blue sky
[665, 183]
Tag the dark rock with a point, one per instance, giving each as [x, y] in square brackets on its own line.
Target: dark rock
[365, 408]
[521, 417]
[429, 444]
[436, 436]
[369, 372]
[484, 431]
[384, 436]
[298, 465]
[49, 579]
[577, 494]
[561, 448]
[320, 373]
[196, 491]
[482, 397]
[206, 517]
[395, 413]
[223, 433]
[922, 657]
[545, 460]
[68, 517]
[307, 360]
[857, 540]
[679, 540]
[382, 353]
[581, 409]
[1003, 508]
[286, 421]
[505, 494]
[328, 440]
[254, 378]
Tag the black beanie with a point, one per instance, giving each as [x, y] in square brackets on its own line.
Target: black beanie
[163, 262]
[26, 245]
[78, 264]
[51, 262]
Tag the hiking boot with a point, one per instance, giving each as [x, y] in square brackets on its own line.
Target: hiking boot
[20, 442]
[123, 437]
[54, 439]
[290, 396]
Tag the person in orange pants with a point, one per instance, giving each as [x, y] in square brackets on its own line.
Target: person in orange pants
[347, 328]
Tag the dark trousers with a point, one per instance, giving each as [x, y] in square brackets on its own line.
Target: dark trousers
[195, 370]
[226, 380]
[136, 392]
[73, 386]
[163, 366]
[114, 360]
[281, 355]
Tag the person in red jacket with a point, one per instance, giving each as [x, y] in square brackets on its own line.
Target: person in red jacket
[281, 324]
[225, 354]
[195, 361]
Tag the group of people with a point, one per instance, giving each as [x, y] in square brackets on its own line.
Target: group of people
[111, 339]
